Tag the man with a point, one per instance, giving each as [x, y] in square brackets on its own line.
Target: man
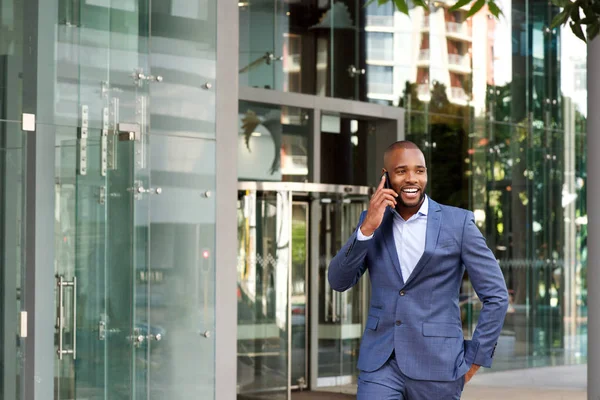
[416, 251]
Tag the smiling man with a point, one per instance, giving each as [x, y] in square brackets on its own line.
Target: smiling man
[416, 251]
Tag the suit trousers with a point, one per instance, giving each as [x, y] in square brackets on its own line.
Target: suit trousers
[389, 383]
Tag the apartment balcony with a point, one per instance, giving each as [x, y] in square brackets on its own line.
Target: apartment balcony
[423, 92]
[423, 59]
[458, 95]
[459, 63]
[425, 23]
[458, 30]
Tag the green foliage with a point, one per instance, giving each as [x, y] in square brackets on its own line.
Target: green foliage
[582, 16]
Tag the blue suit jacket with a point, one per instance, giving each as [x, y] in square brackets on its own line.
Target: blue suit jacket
[420, 318]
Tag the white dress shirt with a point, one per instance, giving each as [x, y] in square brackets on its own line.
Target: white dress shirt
[409, 237]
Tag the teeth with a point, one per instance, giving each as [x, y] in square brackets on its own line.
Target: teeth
[410, 190]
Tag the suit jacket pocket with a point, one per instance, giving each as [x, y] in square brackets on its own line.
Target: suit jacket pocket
[372, 322]
[447, 243]
[441, 329]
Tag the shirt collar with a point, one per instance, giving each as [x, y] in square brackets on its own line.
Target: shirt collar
[423, 211]
[425, 206]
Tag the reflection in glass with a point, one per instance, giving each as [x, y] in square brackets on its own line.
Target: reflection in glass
[130, 342]
[264, 259]
[299, 294]
[180, 280]
[273, 143]
[508, 122]
[303, 47]
[345, 150]
[340, 314]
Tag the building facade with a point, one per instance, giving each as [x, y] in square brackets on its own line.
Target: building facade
[176, 176]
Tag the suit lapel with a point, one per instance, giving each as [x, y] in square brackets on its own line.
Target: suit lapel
[387, 230]
[434, 221]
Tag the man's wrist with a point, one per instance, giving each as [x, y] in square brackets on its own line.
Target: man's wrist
[366, 231]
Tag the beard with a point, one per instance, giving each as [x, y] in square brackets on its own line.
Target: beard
[402, 203]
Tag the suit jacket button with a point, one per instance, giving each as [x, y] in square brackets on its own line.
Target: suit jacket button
[402, 293]
[398, 323]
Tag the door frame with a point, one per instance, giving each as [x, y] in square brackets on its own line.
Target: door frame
[388, 120]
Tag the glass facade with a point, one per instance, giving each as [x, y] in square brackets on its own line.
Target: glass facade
[499, 108]
[126, 92]
[509, 123]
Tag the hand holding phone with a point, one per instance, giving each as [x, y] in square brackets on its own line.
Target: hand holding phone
[384, 196]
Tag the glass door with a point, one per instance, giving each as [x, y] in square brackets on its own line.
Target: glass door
[102, 192]
[299, 294]
[341, 316]
[264, 244]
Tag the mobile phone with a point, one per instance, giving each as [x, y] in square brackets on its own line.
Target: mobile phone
[387, 184]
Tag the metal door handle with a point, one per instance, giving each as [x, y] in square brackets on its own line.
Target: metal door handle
[62, 283]
[156, 337]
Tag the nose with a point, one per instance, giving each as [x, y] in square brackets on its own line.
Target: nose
[410, 177]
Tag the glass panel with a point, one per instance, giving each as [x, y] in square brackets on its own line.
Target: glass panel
[11, 56]
[295, 47]
[273, 144]
[12, 198]
[81, 274]
[99, 338]
[345, 149]
[299, 294]
[12, 274]
[102, 199]
[527, 178]
[340, 314]
[183, 54]
[99, 47]
[181, 278]
[264, 259]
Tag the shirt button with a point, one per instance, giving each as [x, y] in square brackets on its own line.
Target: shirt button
[402, 293]
[398, 323]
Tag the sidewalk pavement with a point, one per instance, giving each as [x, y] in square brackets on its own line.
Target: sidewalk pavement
[546, 383]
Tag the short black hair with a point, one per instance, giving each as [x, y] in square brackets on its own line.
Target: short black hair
[401, 144]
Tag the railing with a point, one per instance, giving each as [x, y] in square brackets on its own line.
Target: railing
[423, 90]
[380, 20]
[424, 55]
[458, 28]
[459, 60]
[458, 93]
[425, 23]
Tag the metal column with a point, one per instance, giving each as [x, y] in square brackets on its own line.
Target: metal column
[226, 206]
[593, 204]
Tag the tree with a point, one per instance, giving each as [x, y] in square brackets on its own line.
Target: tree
[578, 14]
